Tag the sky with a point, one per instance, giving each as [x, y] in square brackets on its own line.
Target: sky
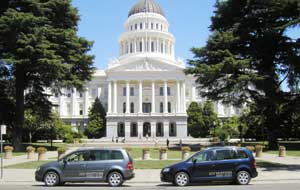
[102, 21]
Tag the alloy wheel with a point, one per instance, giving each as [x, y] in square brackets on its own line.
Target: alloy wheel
[115, 179]
[243, 177]
[51, 179]
[182, 179]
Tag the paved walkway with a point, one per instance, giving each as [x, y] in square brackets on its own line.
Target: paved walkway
[266, 176]
[274, 158]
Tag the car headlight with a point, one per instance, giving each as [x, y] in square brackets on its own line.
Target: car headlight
[38, 169]
[165, 170]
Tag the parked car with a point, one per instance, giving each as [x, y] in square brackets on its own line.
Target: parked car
[213, 164]
[88, 165]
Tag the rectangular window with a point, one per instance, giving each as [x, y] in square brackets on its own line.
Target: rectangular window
[69, 109]
[161, 91]
[98, 155]
[169, 91]
[80, 109]
[152, 26]
[124, 91]
[141, 26]
[156, 26]
[161, 107]
[135, 26]
[131, 91]
[224, 155]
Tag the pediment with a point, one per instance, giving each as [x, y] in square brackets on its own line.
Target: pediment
[144, 65]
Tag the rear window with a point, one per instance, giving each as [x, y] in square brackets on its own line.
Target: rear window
[241, 154]
[116, 155]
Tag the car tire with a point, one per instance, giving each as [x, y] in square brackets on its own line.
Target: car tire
[182, 179]
[51, 179]
[243, 177]
[115, 179]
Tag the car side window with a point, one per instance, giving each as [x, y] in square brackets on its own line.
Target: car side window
[241, 154]
[99, 155]
[116, 155]
[78, 157]
[203, 156]
[224, 154]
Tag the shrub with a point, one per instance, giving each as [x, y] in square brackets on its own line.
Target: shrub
[146, 149]
[41, 150]
[128, 149]
[251, 148]
[8, 148]
[62, 150]
[30, 149]
[163, 149]
[186, 149]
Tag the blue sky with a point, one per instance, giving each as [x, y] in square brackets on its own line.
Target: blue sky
[102, 22]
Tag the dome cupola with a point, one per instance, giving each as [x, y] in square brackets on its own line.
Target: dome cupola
[148, 6]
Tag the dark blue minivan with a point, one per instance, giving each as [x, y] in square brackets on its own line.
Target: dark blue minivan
[213, 164]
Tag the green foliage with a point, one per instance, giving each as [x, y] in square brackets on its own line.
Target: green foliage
[96, 124]
[39, 49]
[201, 119]
[249, 57]
[231, 128]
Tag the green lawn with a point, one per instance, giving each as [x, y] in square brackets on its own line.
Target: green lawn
[288, 152]
[27, 165]
[18, 153]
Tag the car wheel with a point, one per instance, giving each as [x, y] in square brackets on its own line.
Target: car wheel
[182, 179]
[51, 179]
[243, 178]
[115, 179]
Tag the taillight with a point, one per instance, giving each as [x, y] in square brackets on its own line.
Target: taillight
[130, 166]
[254, 163]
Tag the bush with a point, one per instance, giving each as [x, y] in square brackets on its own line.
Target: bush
[186, 149]
[30, 149]
[146, 149]
[163, 149]
[62, 150]
[8, 148]
[41, 150]
[128, 149]
[251, 148]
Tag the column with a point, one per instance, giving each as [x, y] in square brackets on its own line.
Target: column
[150, 45]
[143, 45]
[157, 45]
[183, 98]
[153, 129]
[127, 129]
[61, 105]
[140, 97]
[178, 102]
[86, 102]
[165, 97]
[128, 47]
[109, 98]
[135, 49]
[140, 129]
[166, 129]
[153, 97]
[193, 93]
[127, 97]
[115, 97]
[74, 102]
[164, 46]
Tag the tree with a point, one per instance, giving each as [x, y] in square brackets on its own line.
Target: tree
[40, 49]
[249, 57]
[201, 119]
[97, 120]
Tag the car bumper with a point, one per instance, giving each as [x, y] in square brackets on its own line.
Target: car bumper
[254, 174]
[166, 177]
[38, 176]
[129, 175]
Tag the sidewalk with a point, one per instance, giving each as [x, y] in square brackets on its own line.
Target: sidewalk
[266, 176]
[23, 158]
[274, 158]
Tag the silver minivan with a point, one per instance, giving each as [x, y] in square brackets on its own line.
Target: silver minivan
[88, 165]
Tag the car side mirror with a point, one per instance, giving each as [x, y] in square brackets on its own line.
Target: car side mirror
[194, 160]
[65, 161]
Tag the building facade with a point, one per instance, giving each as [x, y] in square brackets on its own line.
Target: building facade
[144, 90]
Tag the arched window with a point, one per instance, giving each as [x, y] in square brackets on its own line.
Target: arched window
[121, 129]
[161, 107]
[132, 107]
[172, 130]
[133, 130]
[141, 46]
[169, 107]
[159, 130]
[124, 107]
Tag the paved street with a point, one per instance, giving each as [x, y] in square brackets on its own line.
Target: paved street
[289, 186]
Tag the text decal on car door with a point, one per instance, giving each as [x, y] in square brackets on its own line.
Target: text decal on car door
[221, 174]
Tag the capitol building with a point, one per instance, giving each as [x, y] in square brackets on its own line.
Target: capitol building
[145, 90]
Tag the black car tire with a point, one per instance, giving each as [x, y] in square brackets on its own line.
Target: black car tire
[115, 179]
[51, 178]
[243, 177]
[182, 179]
